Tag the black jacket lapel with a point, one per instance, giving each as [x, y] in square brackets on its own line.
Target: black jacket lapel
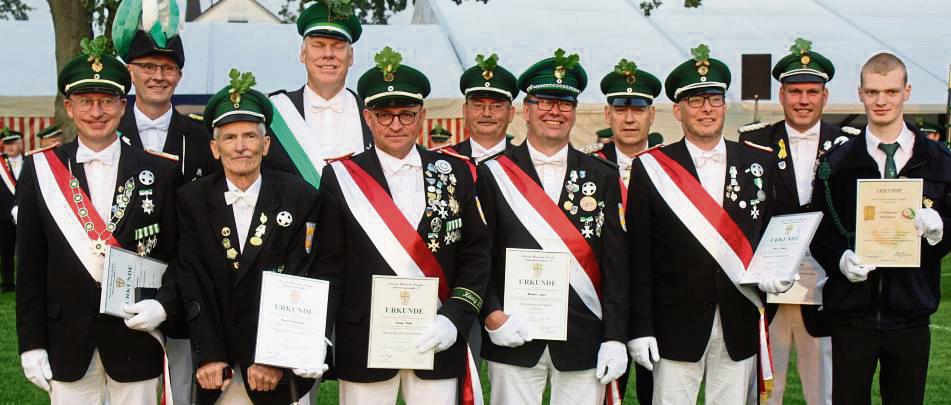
[67, 154]
[789, 173]
[129, 167]
[128, 128]
[221, 221]
[173, 138]
[367, 135]
[679, 153]
[266, 208]
[297, 98]
[523, 160]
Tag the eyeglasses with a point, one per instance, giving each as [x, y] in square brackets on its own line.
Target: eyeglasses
[494, 108]
[151, 68]
[716, 100]
[108, 105]
[386, 118]
[545, 104]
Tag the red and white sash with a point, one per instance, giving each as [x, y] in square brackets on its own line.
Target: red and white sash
[713, 227]
[7, 175]
[553, 232]
[620, 181]
[400, 245]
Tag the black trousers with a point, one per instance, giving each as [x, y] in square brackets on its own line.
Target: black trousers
[643, 385]
[7, 251]
[902, 353]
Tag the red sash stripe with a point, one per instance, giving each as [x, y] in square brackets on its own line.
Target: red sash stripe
[566, 230]
[63, 177]
[9, 172]
[623, 193]
[472, 166]
[713, 212]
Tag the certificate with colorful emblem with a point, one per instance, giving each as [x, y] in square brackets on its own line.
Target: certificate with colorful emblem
[885, 232]
[536, 288]
[401, 310]
[125, 277]
[292, 321]
[782, 247]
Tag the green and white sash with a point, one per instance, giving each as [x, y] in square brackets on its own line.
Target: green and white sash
[291, 130]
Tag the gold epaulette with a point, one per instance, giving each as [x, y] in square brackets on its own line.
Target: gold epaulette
[592, 148]
[196, 117]
[45, 148]
[752, 127]
[341, 157]
[161, 154]
[758, 146]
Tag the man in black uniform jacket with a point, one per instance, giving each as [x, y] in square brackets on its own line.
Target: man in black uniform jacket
[12, 164]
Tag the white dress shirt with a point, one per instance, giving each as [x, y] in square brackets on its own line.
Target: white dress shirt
[101, 169]
[804, 147]
[16, 163]
[404, 177]
[906, 142]
[711, 167]
[152, 132]
[335, 123]
[551, 170]
[478, 152]
[624, 165]
[242, 206]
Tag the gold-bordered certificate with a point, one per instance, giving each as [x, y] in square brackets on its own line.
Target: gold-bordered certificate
[885, 233]
[401, 310]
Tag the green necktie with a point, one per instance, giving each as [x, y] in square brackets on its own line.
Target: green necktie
[889, 148]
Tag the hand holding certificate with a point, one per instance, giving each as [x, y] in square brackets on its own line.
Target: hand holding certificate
[127, 279]
[292, 321]
[536, 288]
[782, 247]
[885, 233]
[401, 310]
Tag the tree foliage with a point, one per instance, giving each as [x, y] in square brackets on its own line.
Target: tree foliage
[14, 9]
[648, 7]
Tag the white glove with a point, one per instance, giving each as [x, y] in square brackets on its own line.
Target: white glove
[36, 367]
[315, 373]
[930, 225]
[512, 333]
[442, 335]
[149, 314]
[13, 213]
[771, 284]
[612, 361]
[644, 351]
[851, 268]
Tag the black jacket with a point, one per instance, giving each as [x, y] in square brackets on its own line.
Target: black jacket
[7, 198]
[348, 259]
[222, 301]
[889, 298]
[58, 300]
[187, 138]
[585, 331]
[676, 285]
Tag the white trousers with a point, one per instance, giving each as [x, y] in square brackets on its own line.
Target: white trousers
[727, 381]
[813, 357]
[526, 385]
[235, 393]
[95, 385]
[415, 391]
[180, 369]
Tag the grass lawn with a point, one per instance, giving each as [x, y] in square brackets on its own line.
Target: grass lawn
[15, 389]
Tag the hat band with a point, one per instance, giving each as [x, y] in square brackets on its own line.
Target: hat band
[235, 112]
[626, 94]
[796, 72]
[52, 133]
[328, 27]
[10, 138]
[699, 85]
[493, 89]
[84, 81]
[552, 86]
[417, 96]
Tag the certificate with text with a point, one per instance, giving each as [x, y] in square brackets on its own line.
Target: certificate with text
[536, 288]
[806, 290]
[401, 310]
[292, 321]
[782, 247]
[124, 272]
[885, 233]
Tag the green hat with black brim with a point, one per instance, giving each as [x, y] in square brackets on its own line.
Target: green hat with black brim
[560, 77]
[929, 127]
[238, 102]
[9, 135]
[700, 75]
[50, 131]
[139, 30]
[605, 133]
[627, 85]
[439, 134]
[96, 70]
[803, 65]
[330, 19]
[390, 84]
[488, 79]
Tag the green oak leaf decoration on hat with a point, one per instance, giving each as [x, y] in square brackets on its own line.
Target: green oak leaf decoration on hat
[160, 19]
[5, 132]
[701, 54]
[339, 9]
[487, 64]
[802, 47]
[563, 64]
[388, 61]
[240, 84]
[627, 69]
[95, 49]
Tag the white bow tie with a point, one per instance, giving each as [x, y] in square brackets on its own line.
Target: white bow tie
[235, 196]
[549, 161]
[708, 157]
[796, 138]
[104, 156]
[154, 126]
[319, 106]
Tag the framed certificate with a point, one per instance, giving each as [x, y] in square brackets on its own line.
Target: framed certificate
[885, 233]
[782, 247]
[292, 320]
[401, 310]
[536, 288]
[805, 291]
[126, 277]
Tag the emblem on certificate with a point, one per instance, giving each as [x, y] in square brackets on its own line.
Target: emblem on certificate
[536, 288]
[291, 321]
[885, 233]
[401, 310]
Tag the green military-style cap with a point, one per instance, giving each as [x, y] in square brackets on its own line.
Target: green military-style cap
[390, 84]
[50, 131]
[628, 85]
[803, 65]
[238, 102]
[605, 133]
[929, 127]
[331, 19]
[488, 79]
[560, 77]
[9, 135]
[700, 75]
[439, 134]
[96, 70]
